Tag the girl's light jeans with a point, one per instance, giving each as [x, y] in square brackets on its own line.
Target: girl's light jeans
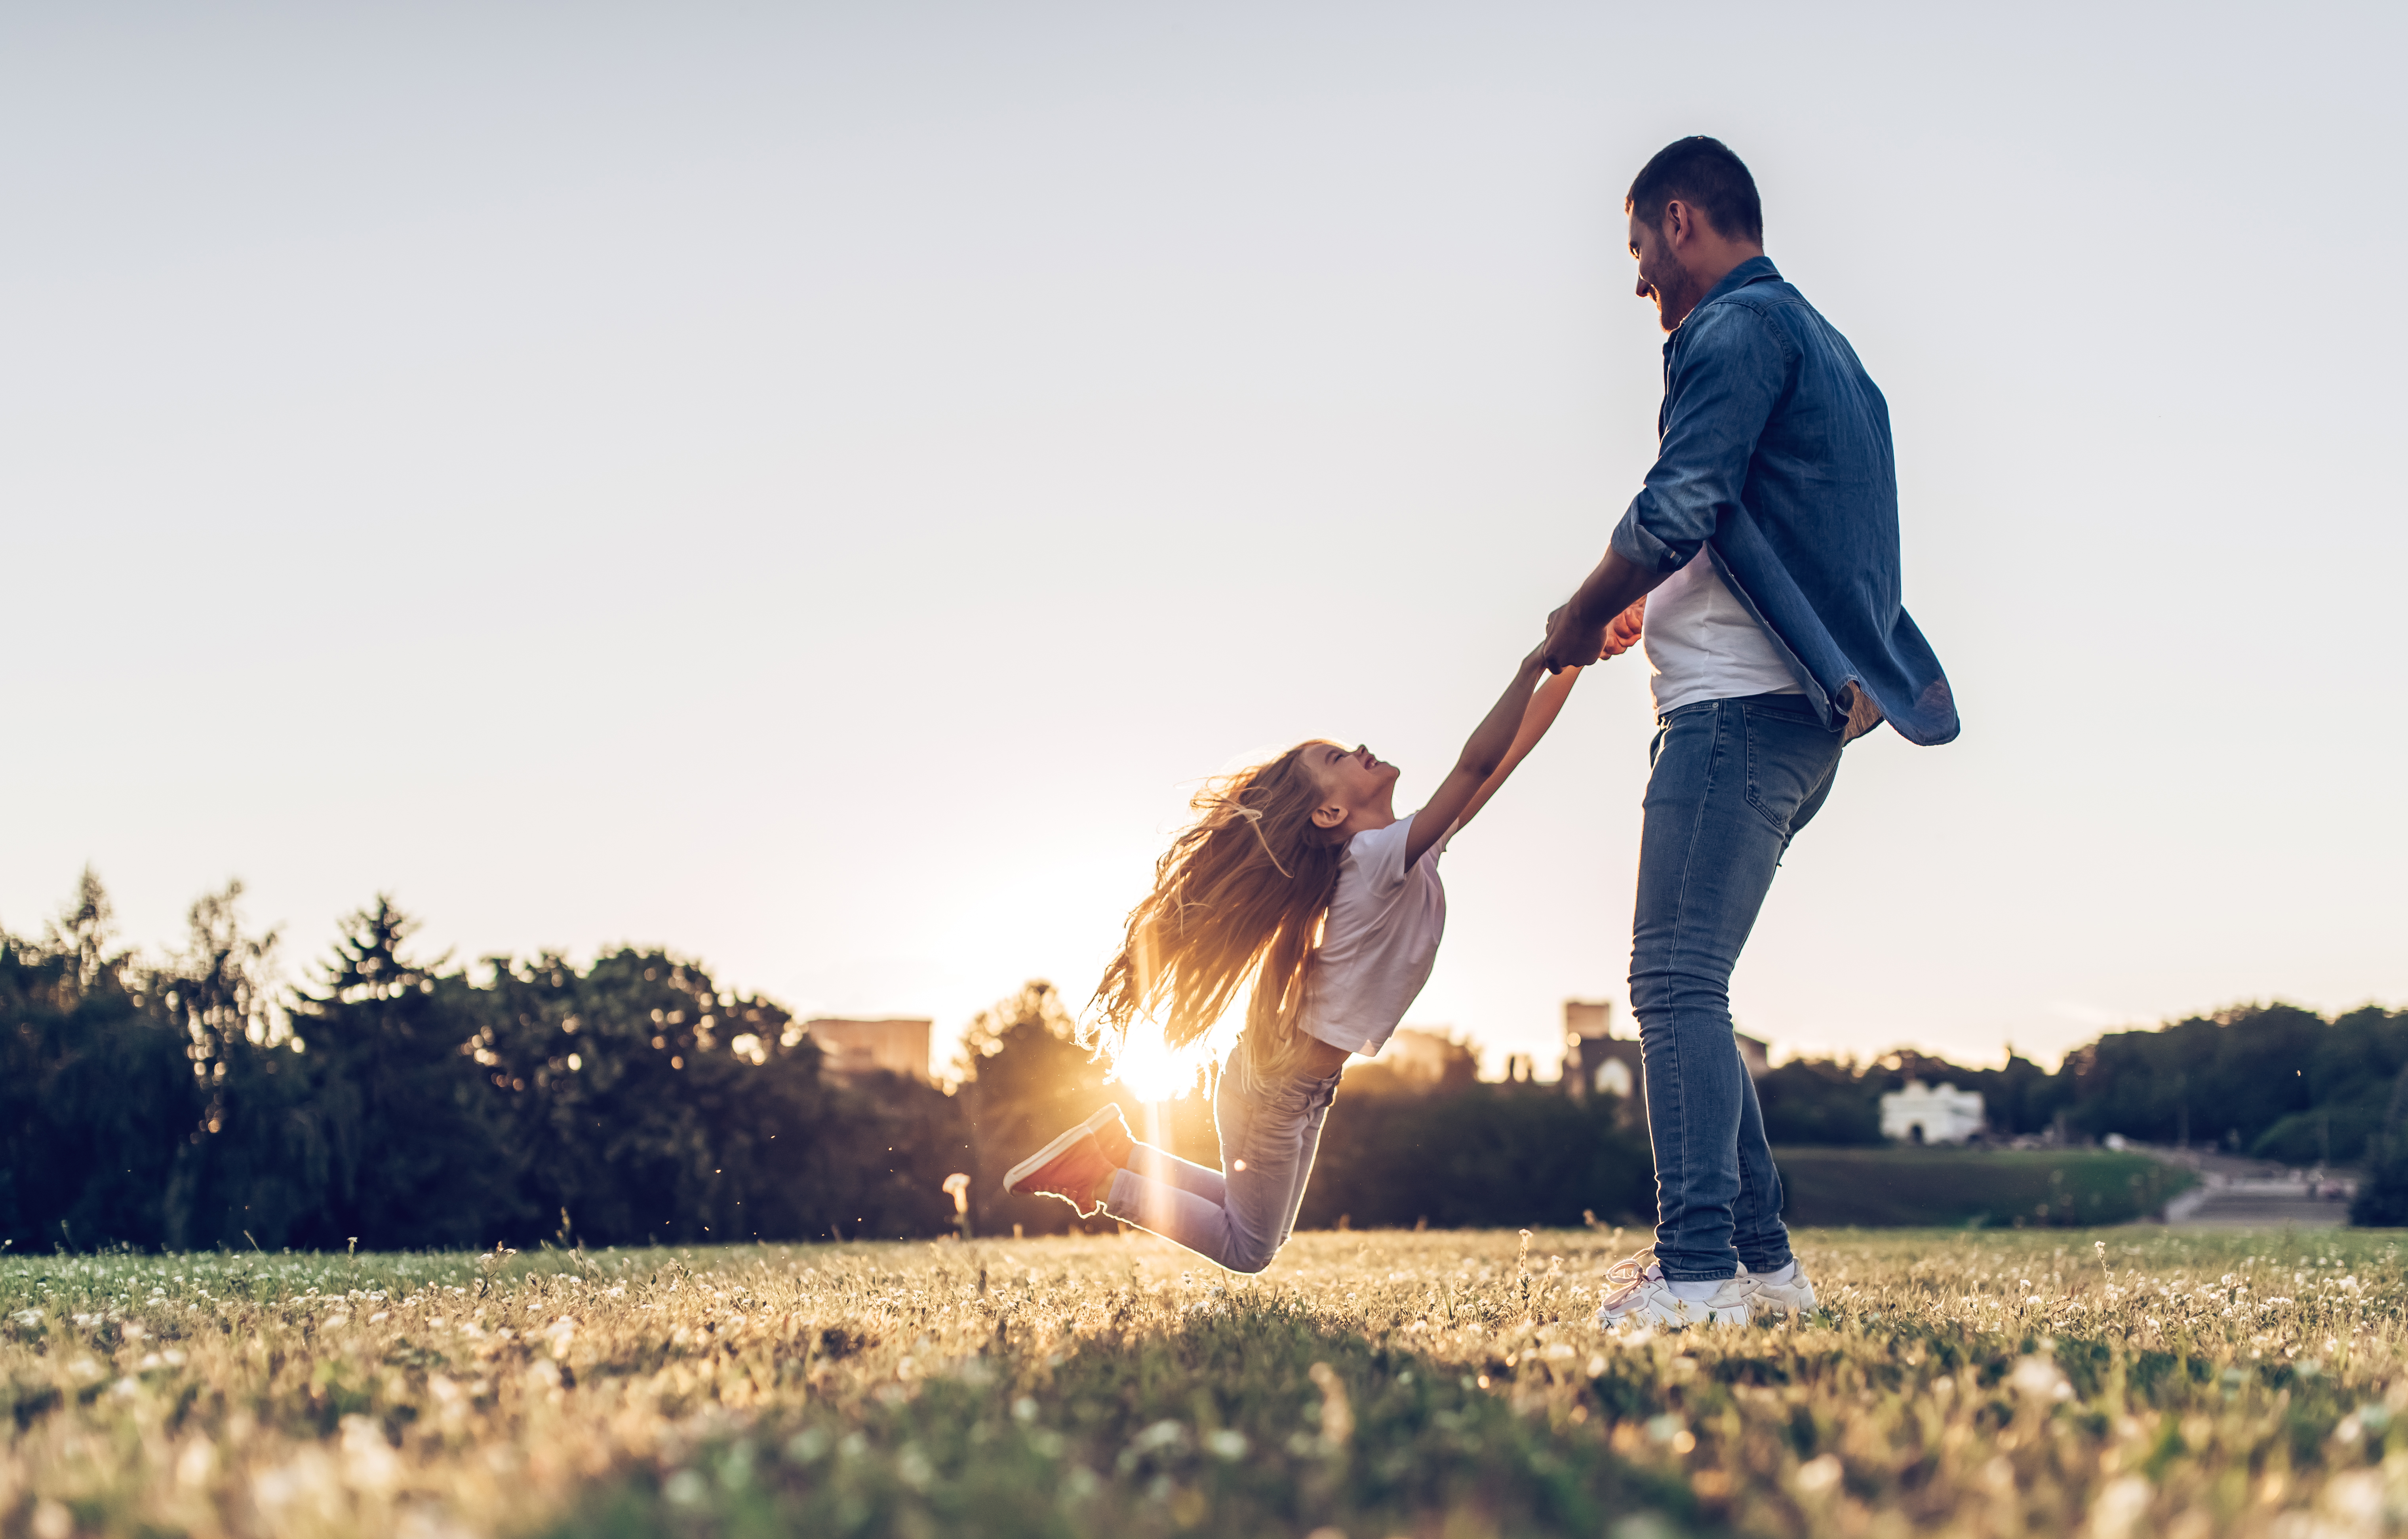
[1239, 1215]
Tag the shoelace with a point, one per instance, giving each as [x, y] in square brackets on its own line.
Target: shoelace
[1627, 1275]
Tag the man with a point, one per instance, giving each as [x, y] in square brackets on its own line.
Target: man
[1767, 533]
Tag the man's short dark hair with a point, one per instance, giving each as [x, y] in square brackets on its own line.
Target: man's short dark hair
[1705, 175]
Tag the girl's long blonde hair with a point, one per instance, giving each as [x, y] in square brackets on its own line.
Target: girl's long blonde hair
[1240, 894]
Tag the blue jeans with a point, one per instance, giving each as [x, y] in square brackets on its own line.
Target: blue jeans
[1734, 781]
[1239, 1215]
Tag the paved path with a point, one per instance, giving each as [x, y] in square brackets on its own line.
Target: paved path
[2230, 1203]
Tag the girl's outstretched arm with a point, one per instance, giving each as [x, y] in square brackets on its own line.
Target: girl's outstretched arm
[1491, 756]
[1491, 741]
[1536, 716]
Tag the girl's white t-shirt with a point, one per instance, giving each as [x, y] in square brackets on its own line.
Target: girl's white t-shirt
[1380, 942]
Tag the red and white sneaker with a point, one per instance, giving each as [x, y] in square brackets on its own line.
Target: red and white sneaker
[1079, 1166]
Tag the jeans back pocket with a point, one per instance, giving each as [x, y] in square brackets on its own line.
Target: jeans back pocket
[1788, 762]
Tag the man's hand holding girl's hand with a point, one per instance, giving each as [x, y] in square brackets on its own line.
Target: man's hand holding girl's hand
[1570, 644]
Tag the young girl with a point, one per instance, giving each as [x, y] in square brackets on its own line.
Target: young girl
[1305, 848]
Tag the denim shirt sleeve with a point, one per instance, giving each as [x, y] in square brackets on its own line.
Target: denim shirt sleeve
[1728, 368]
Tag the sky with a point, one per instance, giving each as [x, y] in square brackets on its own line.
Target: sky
[815, 486]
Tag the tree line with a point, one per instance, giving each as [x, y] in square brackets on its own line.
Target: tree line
[2271, 1081]
[396, 1101]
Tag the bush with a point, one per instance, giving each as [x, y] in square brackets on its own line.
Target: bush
[1813, 1101]
[2336, 1133]
[1485, 1154]
[2382, 1200]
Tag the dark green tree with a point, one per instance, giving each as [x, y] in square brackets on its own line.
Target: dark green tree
[419, 1148]
[1812, 1100]
[2225, 1078]
[1479, 1156]
[255, 1166]
[2349, 1079]
[1025, 1077]
[95, 1092]
[2382, 1198]
[650, 1104]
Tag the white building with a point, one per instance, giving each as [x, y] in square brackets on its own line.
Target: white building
[1922, 1114]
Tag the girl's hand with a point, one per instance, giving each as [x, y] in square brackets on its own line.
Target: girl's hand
[1319, 1060]
[1622, 631]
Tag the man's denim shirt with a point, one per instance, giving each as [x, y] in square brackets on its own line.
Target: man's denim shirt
[1776, 458]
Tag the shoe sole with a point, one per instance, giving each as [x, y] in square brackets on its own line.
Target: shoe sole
[1056, 1150]
[1739, 1314]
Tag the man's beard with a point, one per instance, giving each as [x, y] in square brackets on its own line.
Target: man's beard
[1676, 295]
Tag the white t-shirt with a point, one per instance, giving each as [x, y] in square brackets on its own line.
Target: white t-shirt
[1702, 644]
[1381, 937]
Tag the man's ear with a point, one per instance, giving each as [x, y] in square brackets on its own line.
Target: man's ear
[1680, 223]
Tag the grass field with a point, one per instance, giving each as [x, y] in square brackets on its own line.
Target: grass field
[1987, 1189]
[1446, 1385]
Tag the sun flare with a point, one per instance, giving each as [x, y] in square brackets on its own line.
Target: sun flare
[1151, 1071]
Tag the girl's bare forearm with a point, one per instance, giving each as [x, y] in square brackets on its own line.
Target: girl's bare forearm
[1490, 742]
[1538, 715]
[1494, 738]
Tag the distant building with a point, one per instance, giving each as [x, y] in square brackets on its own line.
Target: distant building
[1614, 1075]
[1756, 1054]
[1588, 1018]
[1417, 1061]
[1923, 1113]
[1597, 1062]
[854, 1048]
[1419, 1055]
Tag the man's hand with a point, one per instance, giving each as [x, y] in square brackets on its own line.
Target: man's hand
[1619, 588]
[1570, 643]
[1621, 634]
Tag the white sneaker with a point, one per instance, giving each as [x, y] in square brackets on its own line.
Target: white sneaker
[1790, 1295]
[1639, 1294]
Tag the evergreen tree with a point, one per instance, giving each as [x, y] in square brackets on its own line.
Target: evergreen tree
[417, 1144]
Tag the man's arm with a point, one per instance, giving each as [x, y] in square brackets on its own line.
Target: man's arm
[1576, 633]
[1727, 373]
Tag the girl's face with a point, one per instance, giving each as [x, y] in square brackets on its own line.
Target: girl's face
[1357, 788]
